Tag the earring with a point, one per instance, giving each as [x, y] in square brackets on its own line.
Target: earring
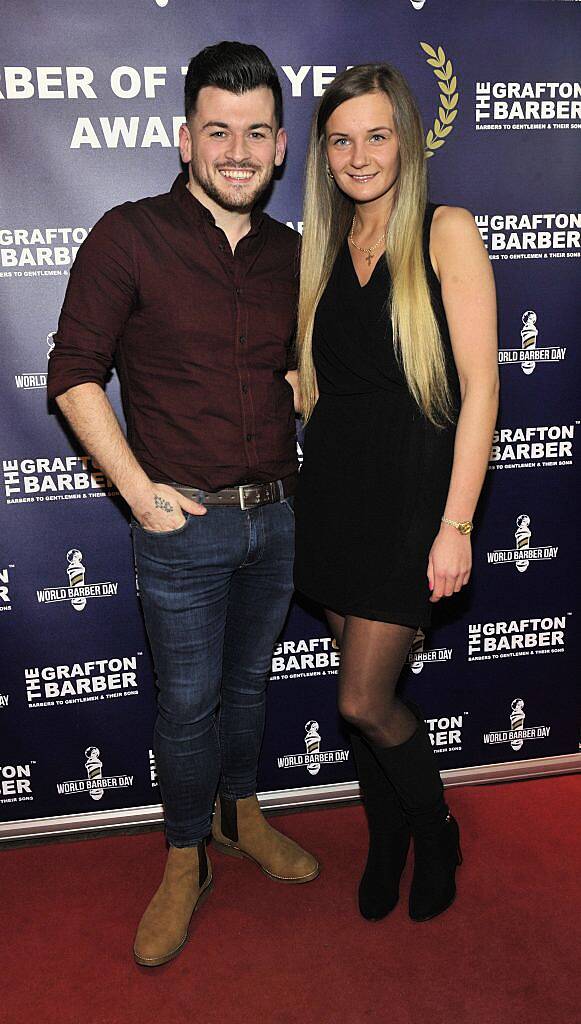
[329, 173]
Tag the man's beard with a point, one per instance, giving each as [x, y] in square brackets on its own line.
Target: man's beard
[244, 203]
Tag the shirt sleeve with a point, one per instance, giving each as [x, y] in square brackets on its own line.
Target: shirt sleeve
[100, 296]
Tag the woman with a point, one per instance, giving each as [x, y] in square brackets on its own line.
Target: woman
[399, 384]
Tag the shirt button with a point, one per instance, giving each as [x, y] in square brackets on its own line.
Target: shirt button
[249, 437]
[239, 291]
[242, 339]
[244, 388]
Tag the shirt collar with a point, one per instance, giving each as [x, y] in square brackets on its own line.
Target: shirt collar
[193, 208]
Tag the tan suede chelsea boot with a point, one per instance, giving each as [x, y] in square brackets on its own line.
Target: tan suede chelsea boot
[163, 929]
[241, 830]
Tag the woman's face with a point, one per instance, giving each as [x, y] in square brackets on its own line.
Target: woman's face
[363, 147]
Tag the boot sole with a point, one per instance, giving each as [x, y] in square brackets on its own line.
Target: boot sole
[235, 851]
[159, 960]
[378, 917]
[430, 917]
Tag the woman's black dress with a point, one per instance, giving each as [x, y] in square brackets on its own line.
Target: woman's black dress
[376, 472]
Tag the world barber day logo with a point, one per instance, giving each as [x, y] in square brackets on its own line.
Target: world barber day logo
[523, 552]
[35, 381]
[314, 756]
[418, 657]
[78, 592]
[530, 353]
[96, 782]
[517, 734]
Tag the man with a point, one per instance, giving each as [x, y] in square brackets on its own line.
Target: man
[192, 294]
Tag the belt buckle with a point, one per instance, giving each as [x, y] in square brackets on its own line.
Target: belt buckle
[269, 494]
[246, 499]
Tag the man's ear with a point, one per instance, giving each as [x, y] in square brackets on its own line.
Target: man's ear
[185, 139]
[280, 146]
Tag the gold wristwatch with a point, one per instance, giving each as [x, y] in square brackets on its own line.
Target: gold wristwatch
[464, 528]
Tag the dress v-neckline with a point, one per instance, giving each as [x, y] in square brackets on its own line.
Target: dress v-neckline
[360, 286]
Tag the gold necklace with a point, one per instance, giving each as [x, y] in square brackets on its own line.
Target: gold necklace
[370, 249]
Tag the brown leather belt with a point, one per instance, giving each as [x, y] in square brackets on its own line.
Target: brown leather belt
[246, 495]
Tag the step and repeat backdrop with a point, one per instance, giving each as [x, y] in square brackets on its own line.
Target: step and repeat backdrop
[90, 106]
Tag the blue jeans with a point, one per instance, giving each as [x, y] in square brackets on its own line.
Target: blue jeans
[215, 594]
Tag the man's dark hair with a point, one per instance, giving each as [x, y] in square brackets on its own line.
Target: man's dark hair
[236, 67]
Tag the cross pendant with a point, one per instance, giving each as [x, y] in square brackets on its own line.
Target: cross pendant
[368, 257]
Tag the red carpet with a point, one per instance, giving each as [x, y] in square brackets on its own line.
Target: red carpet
[507, 952]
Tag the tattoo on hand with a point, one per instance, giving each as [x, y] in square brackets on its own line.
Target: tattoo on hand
[162, 503]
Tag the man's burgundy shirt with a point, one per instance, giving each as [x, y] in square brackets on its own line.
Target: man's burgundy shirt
[201, 338]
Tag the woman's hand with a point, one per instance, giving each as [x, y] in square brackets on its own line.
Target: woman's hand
[449, 562]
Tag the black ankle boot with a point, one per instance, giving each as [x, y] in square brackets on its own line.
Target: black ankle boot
[412, 770]
[437, 854]
[389, 836]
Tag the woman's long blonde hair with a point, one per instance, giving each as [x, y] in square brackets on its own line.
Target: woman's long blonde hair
[328, 215]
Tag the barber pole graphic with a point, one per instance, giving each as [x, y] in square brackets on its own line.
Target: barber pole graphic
[517, 721]
[76, 572]
[313, 745]
[416, 664]
[94, 767]
[522, 537]
[528, 335]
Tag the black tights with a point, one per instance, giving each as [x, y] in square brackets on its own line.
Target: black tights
[372, 657]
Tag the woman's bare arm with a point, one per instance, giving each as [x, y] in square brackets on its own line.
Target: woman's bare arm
[462, 265]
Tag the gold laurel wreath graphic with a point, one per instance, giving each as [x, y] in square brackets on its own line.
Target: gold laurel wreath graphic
[448, 109]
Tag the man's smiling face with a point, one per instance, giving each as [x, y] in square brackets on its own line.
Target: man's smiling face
[232, 144]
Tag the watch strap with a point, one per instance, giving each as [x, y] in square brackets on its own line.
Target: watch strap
[464, 527]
